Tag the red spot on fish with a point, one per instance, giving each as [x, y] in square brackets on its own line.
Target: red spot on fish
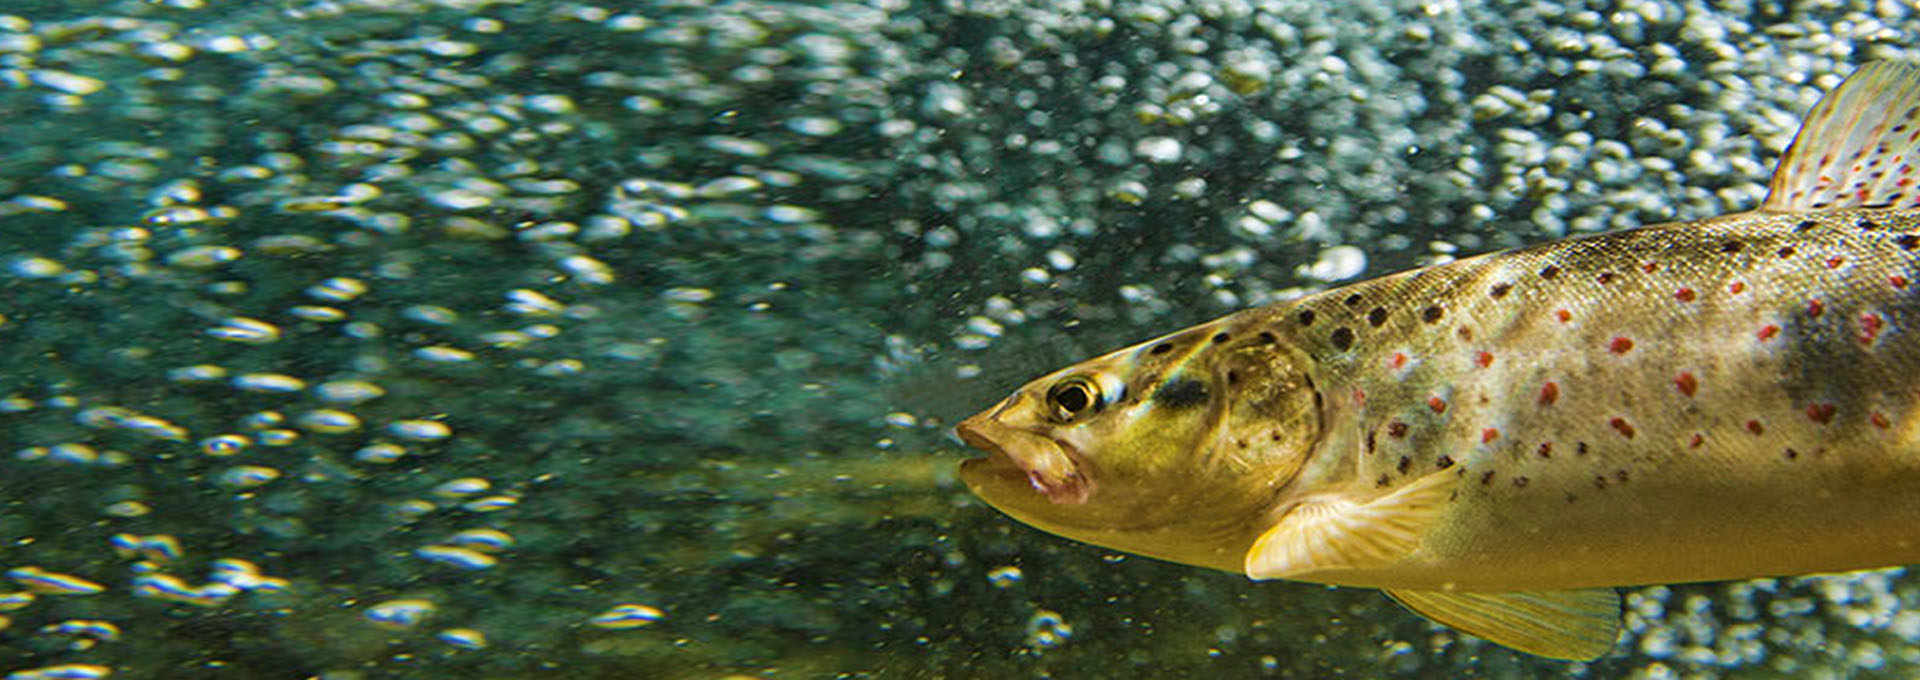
[1563, 315]
[1696, 441]
[1398, 360]
[1683, 295]
[1879, 420]
[1489, 434]
[1686, 383]
[1897, 281]
[1396, 429]
[1815, 307]
[1620, 345]
[1483, 359]
[1545, 450]
[1821, 413]
[1359, 397]
[1549, 393]
[1768, 331]
[1437, 404]
[1649, 267]
[1834, 262]
[1736, 287]
[1754, 427]
[1870, 325]
[1621, 424]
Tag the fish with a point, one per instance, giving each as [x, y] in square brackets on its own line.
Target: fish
[1501, 441]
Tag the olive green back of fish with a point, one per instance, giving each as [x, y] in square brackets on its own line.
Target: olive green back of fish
[1606, 384]
[1497, 441]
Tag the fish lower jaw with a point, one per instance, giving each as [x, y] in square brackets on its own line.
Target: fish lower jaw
[1049, 465]
[1071, 489]
[999, 469]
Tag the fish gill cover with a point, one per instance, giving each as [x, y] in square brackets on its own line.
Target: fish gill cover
[403, 339]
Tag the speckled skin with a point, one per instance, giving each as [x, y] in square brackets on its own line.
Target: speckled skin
[1707, 400]
[1728, 398]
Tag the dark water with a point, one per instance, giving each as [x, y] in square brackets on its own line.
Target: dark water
[466, 324]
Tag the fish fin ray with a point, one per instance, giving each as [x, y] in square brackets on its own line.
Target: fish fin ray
[1858, 147]
[1338, 533]
[1575, 625]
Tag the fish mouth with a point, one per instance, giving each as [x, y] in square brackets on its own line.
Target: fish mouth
[1048, 465]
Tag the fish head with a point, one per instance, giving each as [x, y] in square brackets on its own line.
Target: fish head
[1153, 448]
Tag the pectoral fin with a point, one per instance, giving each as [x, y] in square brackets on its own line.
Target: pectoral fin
[1577, 625]
[1330, 533]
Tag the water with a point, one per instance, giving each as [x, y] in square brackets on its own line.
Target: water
[517, 339]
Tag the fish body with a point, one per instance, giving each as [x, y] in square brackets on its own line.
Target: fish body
[1729, 398]
[1499, 440]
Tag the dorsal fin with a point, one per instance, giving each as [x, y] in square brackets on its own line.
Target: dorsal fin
[1857, 148]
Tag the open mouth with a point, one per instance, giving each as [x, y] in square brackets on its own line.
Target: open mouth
[1013, 453]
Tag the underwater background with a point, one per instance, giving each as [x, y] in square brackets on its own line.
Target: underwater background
[488, 339]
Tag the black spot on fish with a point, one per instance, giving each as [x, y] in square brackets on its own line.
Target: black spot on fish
[1907, 241]
[1431, 314]
[1792, 454]
[1233, 377]
[1161, 348]
[1370, 434]
[1220, 338]
[1181, 393]
[1305, 317]
[1354, 300]
[1804, 225]
[1444, 461]
[1580, 448]
[1383, 481]
[1731, 247]
[1405, 463]
[1604, 277]
[1599, 481]
[1620, 475]
[1549, 272]
[1342, 338]
[1499, 290]
[1268, 338]
[1486, 478]
[1377, 316]
[1520, 482]
[1785, 251]
[1867, 224]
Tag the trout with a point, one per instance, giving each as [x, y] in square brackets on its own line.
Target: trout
[1499, 441]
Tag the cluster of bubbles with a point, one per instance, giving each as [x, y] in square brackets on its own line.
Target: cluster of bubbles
[439, 336]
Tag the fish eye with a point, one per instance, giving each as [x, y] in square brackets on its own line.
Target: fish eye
[1072, 397]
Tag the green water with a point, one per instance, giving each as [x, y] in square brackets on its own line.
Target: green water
[682, 298]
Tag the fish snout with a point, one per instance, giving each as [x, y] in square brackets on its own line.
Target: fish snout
[1018, 453]
[973, 431]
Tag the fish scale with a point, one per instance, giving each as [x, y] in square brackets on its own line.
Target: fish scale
[1497, 442]
[1651, 379]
